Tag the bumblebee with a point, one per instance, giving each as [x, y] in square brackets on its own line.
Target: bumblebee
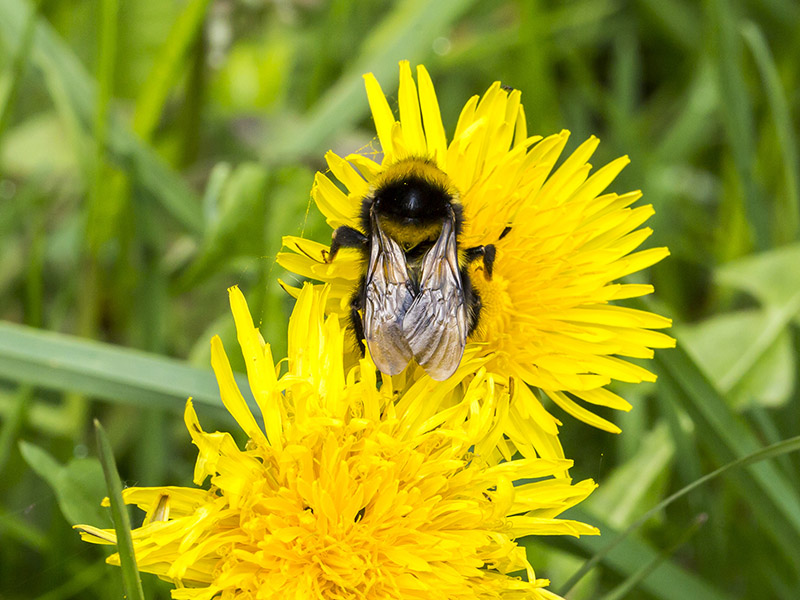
[415, 299]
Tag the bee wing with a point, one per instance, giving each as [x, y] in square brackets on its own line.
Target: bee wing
[388, 295]
[436, 323]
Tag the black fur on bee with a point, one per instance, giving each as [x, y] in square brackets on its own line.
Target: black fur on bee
[415, 298]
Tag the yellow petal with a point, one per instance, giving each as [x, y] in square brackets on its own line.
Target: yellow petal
[231, 396]
[345, 173]
[581, 413]
[258, 361]
[520, 128]
[339, 208]
[600, 180]
[381, 114]
[366, 166]
[413, 135]
[432, 118]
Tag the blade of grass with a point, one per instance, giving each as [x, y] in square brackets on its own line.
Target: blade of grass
[621, 104]
[166, 67]
[193, 103]
[671, 581]
[77, 484]
[687, 456]
[42, 417]
[407, 32]
[107, 195]
[737, 116]
[789, 223]
[14, 528]
[786, 12]
[770, 277]
[790, 445]
[630, 486]
[63, 70]
[119, 513]
[708, 408]
[634, 580]
[67, 363]
[152, 299]
[728, 437]
[779, 319]
[12, 424]
[680, 20]
[693, 126]
[107, 55]
[765, 423]
[73, 587]
[78, 133]
[18, 63]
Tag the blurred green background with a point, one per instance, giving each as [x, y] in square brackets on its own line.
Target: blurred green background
[152, 153]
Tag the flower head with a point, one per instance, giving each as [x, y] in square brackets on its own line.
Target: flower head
[547, 316]
[350, 490]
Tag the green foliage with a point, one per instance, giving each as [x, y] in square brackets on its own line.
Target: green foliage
[154, 153]
[119, 511]
[78, 485]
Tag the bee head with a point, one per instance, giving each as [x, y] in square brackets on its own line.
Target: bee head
[413, 192]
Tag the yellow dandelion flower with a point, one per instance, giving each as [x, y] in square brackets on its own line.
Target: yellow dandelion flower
[349, 490]
[547, 316]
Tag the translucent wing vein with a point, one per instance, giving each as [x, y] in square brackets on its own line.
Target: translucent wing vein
[435, 325]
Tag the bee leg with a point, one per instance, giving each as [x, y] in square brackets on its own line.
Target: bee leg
[488, 252]
[358, 328]
[356, 305]
[472, 300]
[345, 237]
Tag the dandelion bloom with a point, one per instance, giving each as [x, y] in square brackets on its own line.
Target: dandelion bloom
[547, 316]
[350, 490]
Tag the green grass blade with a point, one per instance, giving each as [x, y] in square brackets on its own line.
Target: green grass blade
[119, 512]
[13, 529]
[681, 20]
[107, 195]
[12, 424]
[626, 77]
[633, 482]
[76, 584]
[778, 319]
[67, 363]
[670, 581]
[736, 435]
[790, 216]
[630, 584]
[105, 82]
[737, 115]
[407, 32]
[166, 67]
[768, 430]
[728, 437]
[77, 484]
[63, 69]
[9, 97]
[790, 445]
[770, 277]
[695, 122]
